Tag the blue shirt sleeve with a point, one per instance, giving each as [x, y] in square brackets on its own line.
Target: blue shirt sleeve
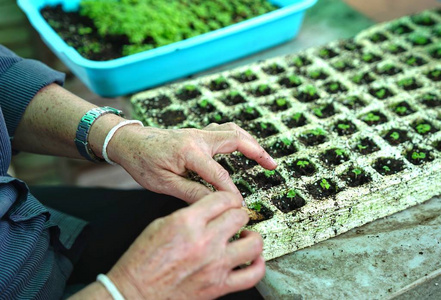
[20, 80]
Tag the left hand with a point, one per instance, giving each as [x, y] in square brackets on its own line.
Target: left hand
[158, 159]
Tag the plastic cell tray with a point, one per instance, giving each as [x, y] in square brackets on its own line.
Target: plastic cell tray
[154, 67]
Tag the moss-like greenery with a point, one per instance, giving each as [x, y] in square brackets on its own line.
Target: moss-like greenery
[153, 23]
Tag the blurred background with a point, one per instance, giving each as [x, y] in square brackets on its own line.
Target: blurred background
[326, 21]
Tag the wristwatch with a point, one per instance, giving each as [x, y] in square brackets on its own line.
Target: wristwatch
[81, 138]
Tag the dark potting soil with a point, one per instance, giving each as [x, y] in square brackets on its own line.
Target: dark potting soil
[400, 29]
[188, 93]
[388, 166]
[434, 75]
[396, 137]
[387, 70]
[323, 188]
[224, 163]
[377, 37]
[334, 87]
[430, 100]
[157, 102]
[263, 211]
[419, 156]
[327, 53]
[306, 97]
[334, 157]
[324, 112]
[233, 99]
[366, 146]
[352, 102]
[218, 117]
[244, 189]
[374, 118]
[414, 61]
[172, 117]
[247, 114]
[317, 75]
[380, 93]
[402, 109]
[344, 127]
[364, 78]
[280, 149]
[246, 77]
[279, 104]
[350, 45]
[67, 24]
[203, 107]
[290, 82]
[265, 181]
[395, 49]
[311, 139]
[300, 61]
[274, 69]
[301, 167]
[218, 85]
[354, 179]
[424, 127]
[295, 120]
[261, 129]
[240, 162]
[409, 84]
[261, 90]
[287, 204]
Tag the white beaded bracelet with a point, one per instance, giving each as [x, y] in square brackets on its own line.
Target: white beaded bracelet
[110, 136]
[111, 288]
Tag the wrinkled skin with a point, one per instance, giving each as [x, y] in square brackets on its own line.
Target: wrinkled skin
[159, 159]
[187, 255]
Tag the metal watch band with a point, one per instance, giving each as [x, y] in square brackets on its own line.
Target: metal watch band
[82, 134]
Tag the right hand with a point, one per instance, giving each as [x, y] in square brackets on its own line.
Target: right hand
[187, 255]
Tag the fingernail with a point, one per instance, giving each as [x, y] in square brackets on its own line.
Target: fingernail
[272, 160]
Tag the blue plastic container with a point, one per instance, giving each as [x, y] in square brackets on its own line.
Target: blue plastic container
[154, 67]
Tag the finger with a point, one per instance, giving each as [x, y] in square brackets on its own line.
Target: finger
[185, 189]
[228, 224]
[248, 277]
[212, 172]
[246, 249]
[215, 204]
[238, 139]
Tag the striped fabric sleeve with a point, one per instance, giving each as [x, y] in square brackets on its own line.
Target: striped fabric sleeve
[20, 80]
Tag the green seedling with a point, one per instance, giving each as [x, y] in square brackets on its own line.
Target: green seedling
[367, 57]
[296, 117]
[263, 126]
[263, 88]
[189, 87]
[204, 103]
[256, 206]
[435, 73]
[274, 66]
[411, 61]
[418, 155]
[406, 82]
[395, 135]
[371, 117]
[357, 172]
[318, 111]
[325, 184]
[334, 86]
[386, 67]
[376, 37]
[269, 173]
[281, 102]
[220, 80]
[343, 126]
[386, 169]
[298, 61]
[380, 93]
[357, 78]
[315, 74]
[295, 80]
[249, 110]
[233, 94]
[339, 65]
[248, 73]
[324, 52]
[217, 117]
[339, 152]
[84, 30]
[428, 97]
[401, 110]
[423, 128]
[310, 90]
[419, 40]
[286, 141]
[317, 131]
[291, 194]
[302, 163]
[392, 48]
[361, 147]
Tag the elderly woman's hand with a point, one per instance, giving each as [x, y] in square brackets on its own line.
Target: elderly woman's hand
[159, 159]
